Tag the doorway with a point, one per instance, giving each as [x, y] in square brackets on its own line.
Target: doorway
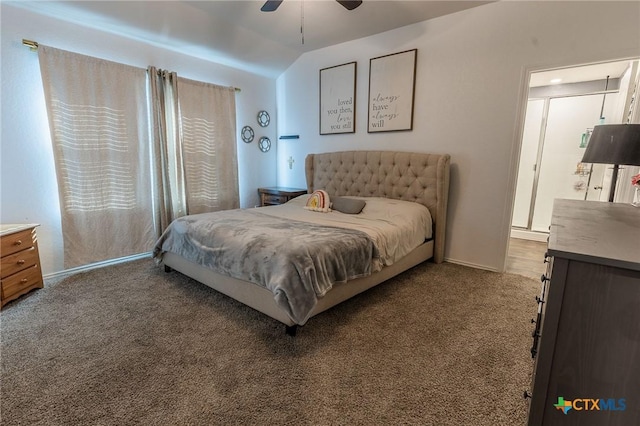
[562, 109]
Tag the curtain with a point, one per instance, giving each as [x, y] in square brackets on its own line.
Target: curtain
[98, 117]
[208, 118]
[170, 197]
[196, 166]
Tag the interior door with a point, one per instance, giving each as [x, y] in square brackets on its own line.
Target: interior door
[528, 159]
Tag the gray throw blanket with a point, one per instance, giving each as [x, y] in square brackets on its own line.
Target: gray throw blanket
[298, 261]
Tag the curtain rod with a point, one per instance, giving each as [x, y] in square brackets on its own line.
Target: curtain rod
[33, 46]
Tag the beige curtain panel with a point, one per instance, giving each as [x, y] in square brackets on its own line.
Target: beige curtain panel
[170, 201]
[194, 128]
[134, 150]
[98, 118]
[209, 149]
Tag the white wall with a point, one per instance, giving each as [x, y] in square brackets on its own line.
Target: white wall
[29, 191]
[471, 91]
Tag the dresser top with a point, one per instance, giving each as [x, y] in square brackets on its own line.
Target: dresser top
[596, 232]
[10, 228]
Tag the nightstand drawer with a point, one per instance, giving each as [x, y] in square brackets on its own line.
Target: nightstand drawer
[274, 199]
[276, 195]
[18, 261]
[15, 242]
[23, 280]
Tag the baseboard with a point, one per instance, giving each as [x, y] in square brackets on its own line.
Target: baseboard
[471, 265]
[85, 268]
[529, 235]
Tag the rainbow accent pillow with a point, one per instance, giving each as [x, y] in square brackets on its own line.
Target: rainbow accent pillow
[318, 201]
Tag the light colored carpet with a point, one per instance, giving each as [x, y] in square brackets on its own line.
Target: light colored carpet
[130, 344]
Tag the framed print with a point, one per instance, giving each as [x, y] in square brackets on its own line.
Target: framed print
[392, 83]
[338, 99]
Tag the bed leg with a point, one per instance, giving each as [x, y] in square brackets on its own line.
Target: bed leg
[291, 330]
[167, 268]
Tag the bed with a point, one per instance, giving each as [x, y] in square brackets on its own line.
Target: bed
[284, 289]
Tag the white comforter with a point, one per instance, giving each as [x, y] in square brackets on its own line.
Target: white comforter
[396, 227]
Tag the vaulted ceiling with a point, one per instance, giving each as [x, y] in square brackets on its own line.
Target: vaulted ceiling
[238, 34]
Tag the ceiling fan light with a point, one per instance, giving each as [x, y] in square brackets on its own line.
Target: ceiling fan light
[349, 4]
[270, 5]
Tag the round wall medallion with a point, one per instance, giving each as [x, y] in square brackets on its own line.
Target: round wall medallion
[264, 144]
[263, 118]
[247, 134]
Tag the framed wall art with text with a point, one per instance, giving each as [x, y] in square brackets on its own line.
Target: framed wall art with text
[338, 99]
[392, 83]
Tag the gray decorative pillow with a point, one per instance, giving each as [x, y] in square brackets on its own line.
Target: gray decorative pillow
[347, 205]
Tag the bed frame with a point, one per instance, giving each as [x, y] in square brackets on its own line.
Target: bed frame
[422, 178]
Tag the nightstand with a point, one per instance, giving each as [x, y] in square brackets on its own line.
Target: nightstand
[20, 269]
[278, 195]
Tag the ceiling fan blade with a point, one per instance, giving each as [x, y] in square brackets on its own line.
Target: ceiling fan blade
[350, 5]
[270, 5]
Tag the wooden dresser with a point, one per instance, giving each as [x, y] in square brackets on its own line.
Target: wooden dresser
[20, 269]
[586, 341]
[278, 195]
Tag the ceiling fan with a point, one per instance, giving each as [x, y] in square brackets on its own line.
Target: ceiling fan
[272, 5]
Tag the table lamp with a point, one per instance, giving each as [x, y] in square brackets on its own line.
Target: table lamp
[617, 144]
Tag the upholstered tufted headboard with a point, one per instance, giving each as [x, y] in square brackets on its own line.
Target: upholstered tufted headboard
[422, 178]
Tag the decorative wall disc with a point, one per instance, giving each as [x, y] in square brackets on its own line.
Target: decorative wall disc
[247, 134]
[264, 144]
[263, 118]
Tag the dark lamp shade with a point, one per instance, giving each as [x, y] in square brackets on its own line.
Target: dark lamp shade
[614, 144]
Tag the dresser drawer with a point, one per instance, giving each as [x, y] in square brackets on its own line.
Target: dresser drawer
[15, 242]
[23, 280]
[18, 261]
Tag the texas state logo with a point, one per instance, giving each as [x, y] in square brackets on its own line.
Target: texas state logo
[563, 405]
[590, 404]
